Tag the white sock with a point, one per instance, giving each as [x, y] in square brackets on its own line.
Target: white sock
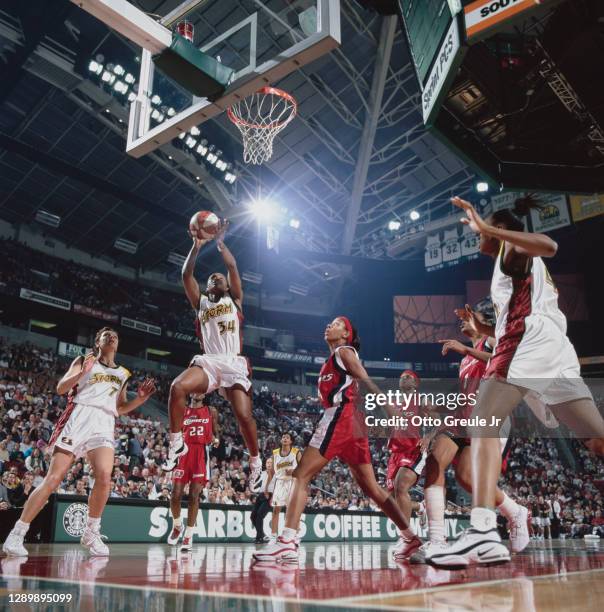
[483, 519]
[175, 437]
[508, 507]
[255, 461]
[94, 524]
[407, 534]
[434, 497]
[21, 528]
[189, 532]
[178, 522]
[288, 534]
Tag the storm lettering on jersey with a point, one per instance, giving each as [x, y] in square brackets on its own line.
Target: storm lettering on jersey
[104, 378]
[216, 311]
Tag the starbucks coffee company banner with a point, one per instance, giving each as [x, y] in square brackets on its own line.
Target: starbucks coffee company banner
[146, 521]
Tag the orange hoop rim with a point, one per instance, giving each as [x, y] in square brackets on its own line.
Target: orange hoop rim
[266, 90]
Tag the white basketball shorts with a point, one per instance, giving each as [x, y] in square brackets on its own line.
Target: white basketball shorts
[224, 370]
[83, 428]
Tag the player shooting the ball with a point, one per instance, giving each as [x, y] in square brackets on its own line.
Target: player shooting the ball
[221, 366]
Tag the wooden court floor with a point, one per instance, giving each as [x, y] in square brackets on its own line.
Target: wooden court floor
[551, 575]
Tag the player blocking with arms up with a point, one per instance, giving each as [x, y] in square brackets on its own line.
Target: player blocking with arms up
[221, 366]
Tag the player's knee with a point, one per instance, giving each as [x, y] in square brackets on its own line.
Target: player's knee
[53, 481]
[102, 478]
[177, 388]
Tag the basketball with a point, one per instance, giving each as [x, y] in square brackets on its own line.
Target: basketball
[204, 224]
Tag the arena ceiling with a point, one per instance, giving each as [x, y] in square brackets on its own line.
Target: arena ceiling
[356, 157]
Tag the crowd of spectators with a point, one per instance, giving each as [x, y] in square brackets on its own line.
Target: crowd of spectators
[572, 491]
[29, 406]
[27, 268]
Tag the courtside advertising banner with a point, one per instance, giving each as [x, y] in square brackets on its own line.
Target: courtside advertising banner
[483, 15]
[148, 522]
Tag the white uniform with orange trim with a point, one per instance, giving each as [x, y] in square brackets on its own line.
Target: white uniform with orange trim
[88, 421]
[220, 325]
[532, 348]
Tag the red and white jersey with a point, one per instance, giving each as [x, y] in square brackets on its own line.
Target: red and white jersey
[336, 386]
[404, 439]
[220, 325]
[471, 371]
[101, 387]
[197, 426]
[532, 297]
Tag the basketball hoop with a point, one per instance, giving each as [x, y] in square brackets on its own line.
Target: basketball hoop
[260, 117]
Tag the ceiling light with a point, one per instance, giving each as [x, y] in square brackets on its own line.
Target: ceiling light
[394, 225]
[155, 99]
[107, 77]
[414, 215]
[264, 210]
[482, 187]
[95, 67]
[121, 244]
[294, 223]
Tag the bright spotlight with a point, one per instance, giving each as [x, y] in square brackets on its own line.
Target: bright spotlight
[95, 67]
[264, 210]
[394, 225]
[294, 223]
[482, 187]
[414, 215]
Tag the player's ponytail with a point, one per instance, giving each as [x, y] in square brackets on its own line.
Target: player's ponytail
[512, 219]
[355, 341]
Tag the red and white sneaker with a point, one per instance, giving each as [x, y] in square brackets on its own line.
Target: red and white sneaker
[281, 550]
[187, 543]
[405, 548]
[174, 536]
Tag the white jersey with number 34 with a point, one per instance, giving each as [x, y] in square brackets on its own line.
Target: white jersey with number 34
[101, 387]
[220, 324]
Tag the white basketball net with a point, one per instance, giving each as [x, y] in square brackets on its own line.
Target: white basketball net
[260, 117]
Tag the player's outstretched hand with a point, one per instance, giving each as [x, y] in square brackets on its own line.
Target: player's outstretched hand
[469, 316]
[473, 219]
[453, 345]
[224, 226]
[146, 389]
[197, 242]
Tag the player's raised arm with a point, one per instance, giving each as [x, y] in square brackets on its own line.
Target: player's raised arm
[467, 314]
[188, 277]
[79, 366]
[233, 277]
[145, 390]
[523, 243]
